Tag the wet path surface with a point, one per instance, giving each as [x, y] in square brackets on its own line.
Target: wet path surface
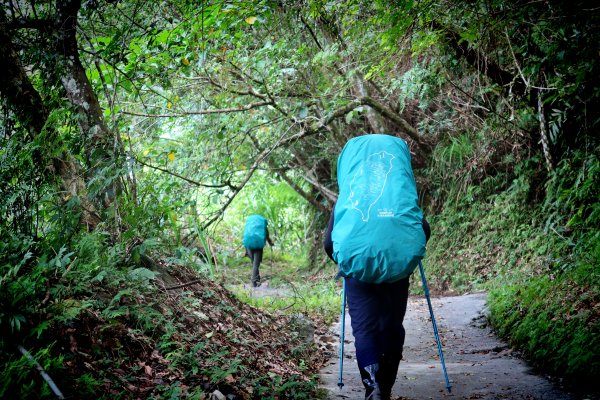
[479, 365]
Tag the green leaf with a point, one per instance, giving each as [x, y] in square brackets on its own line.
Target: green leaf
[100, 277]
[142, 274]
[302, 113]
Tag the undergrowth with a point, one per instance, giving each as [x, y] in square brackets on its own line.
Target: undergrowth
[102, 323]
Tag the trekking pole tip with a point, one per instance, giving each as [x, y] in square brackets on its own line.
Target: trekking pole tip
[340, 385]
[449, 387]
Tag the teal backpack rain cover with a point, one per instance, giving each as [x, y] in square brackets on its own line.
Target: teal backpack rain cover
[255, 232]
[377, 233]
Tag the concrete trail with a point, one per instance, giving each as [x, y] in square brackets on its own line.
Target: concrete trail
[479, 365]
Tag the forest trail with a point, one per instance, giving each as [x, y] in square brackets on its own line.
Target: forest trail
[479, 365]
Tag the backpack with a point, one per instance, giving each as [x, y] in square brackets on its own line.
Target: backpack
[377, 233]
[255, 232]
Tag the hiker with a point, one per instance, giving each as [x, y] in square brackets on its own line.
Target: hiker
[256, 235]
[376, 235]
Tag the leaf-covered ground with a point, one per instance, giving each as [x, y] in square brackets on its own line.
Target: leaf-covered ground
[184, 336]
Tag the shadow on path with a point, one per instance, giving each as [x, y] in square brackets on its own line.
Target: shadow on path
[479, 365]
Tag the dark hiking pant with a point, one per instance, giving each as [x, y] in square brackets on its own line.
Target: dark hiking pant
[377, 312]
[256, 257]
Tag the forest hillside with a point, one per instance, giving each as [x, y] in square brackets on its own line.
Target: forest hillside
[136, 137]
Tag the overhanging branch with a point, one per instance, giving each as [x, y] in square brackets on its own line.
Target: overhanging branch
[385, 111]
[306, 196]
[202, 112]
[193, 182]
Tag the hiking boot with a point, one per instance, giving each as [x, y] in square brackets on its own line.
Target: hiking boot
[374, 394]
[386, 375]
[372, 388]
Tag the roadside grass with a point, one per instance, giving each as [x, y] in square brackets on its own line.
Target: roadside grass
[320, 300]
[287, 287]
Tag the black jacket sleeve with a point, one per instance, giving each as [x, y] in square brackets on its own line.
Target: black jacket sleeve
[426, 229]
[327, 242]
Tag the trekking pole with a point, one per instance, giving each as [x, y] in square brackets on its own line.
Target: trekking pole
[342, 332]
[271, 266]
[435, 331]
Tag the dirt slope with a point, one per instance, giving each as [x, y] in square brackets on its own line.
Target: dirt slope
[479, 365]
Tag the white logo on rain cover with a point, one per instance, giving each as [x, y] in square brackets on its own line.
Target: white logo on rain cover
[365, 191]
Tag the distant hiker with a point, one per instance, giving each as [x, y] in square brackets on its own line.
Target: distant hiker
[255, 236]
[376, 236]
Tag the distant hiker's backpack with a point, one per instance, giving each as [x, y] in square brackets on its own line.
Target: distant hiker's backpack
[255, 232]
[377, 233]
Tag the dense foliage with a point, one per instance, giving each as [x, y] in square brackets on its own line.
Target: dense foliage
[136, 136]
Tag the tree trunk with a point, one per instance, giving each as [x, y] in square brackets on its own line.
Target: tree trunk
[27, 106]
[15, 87]
[374, 119]
[101, 145]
